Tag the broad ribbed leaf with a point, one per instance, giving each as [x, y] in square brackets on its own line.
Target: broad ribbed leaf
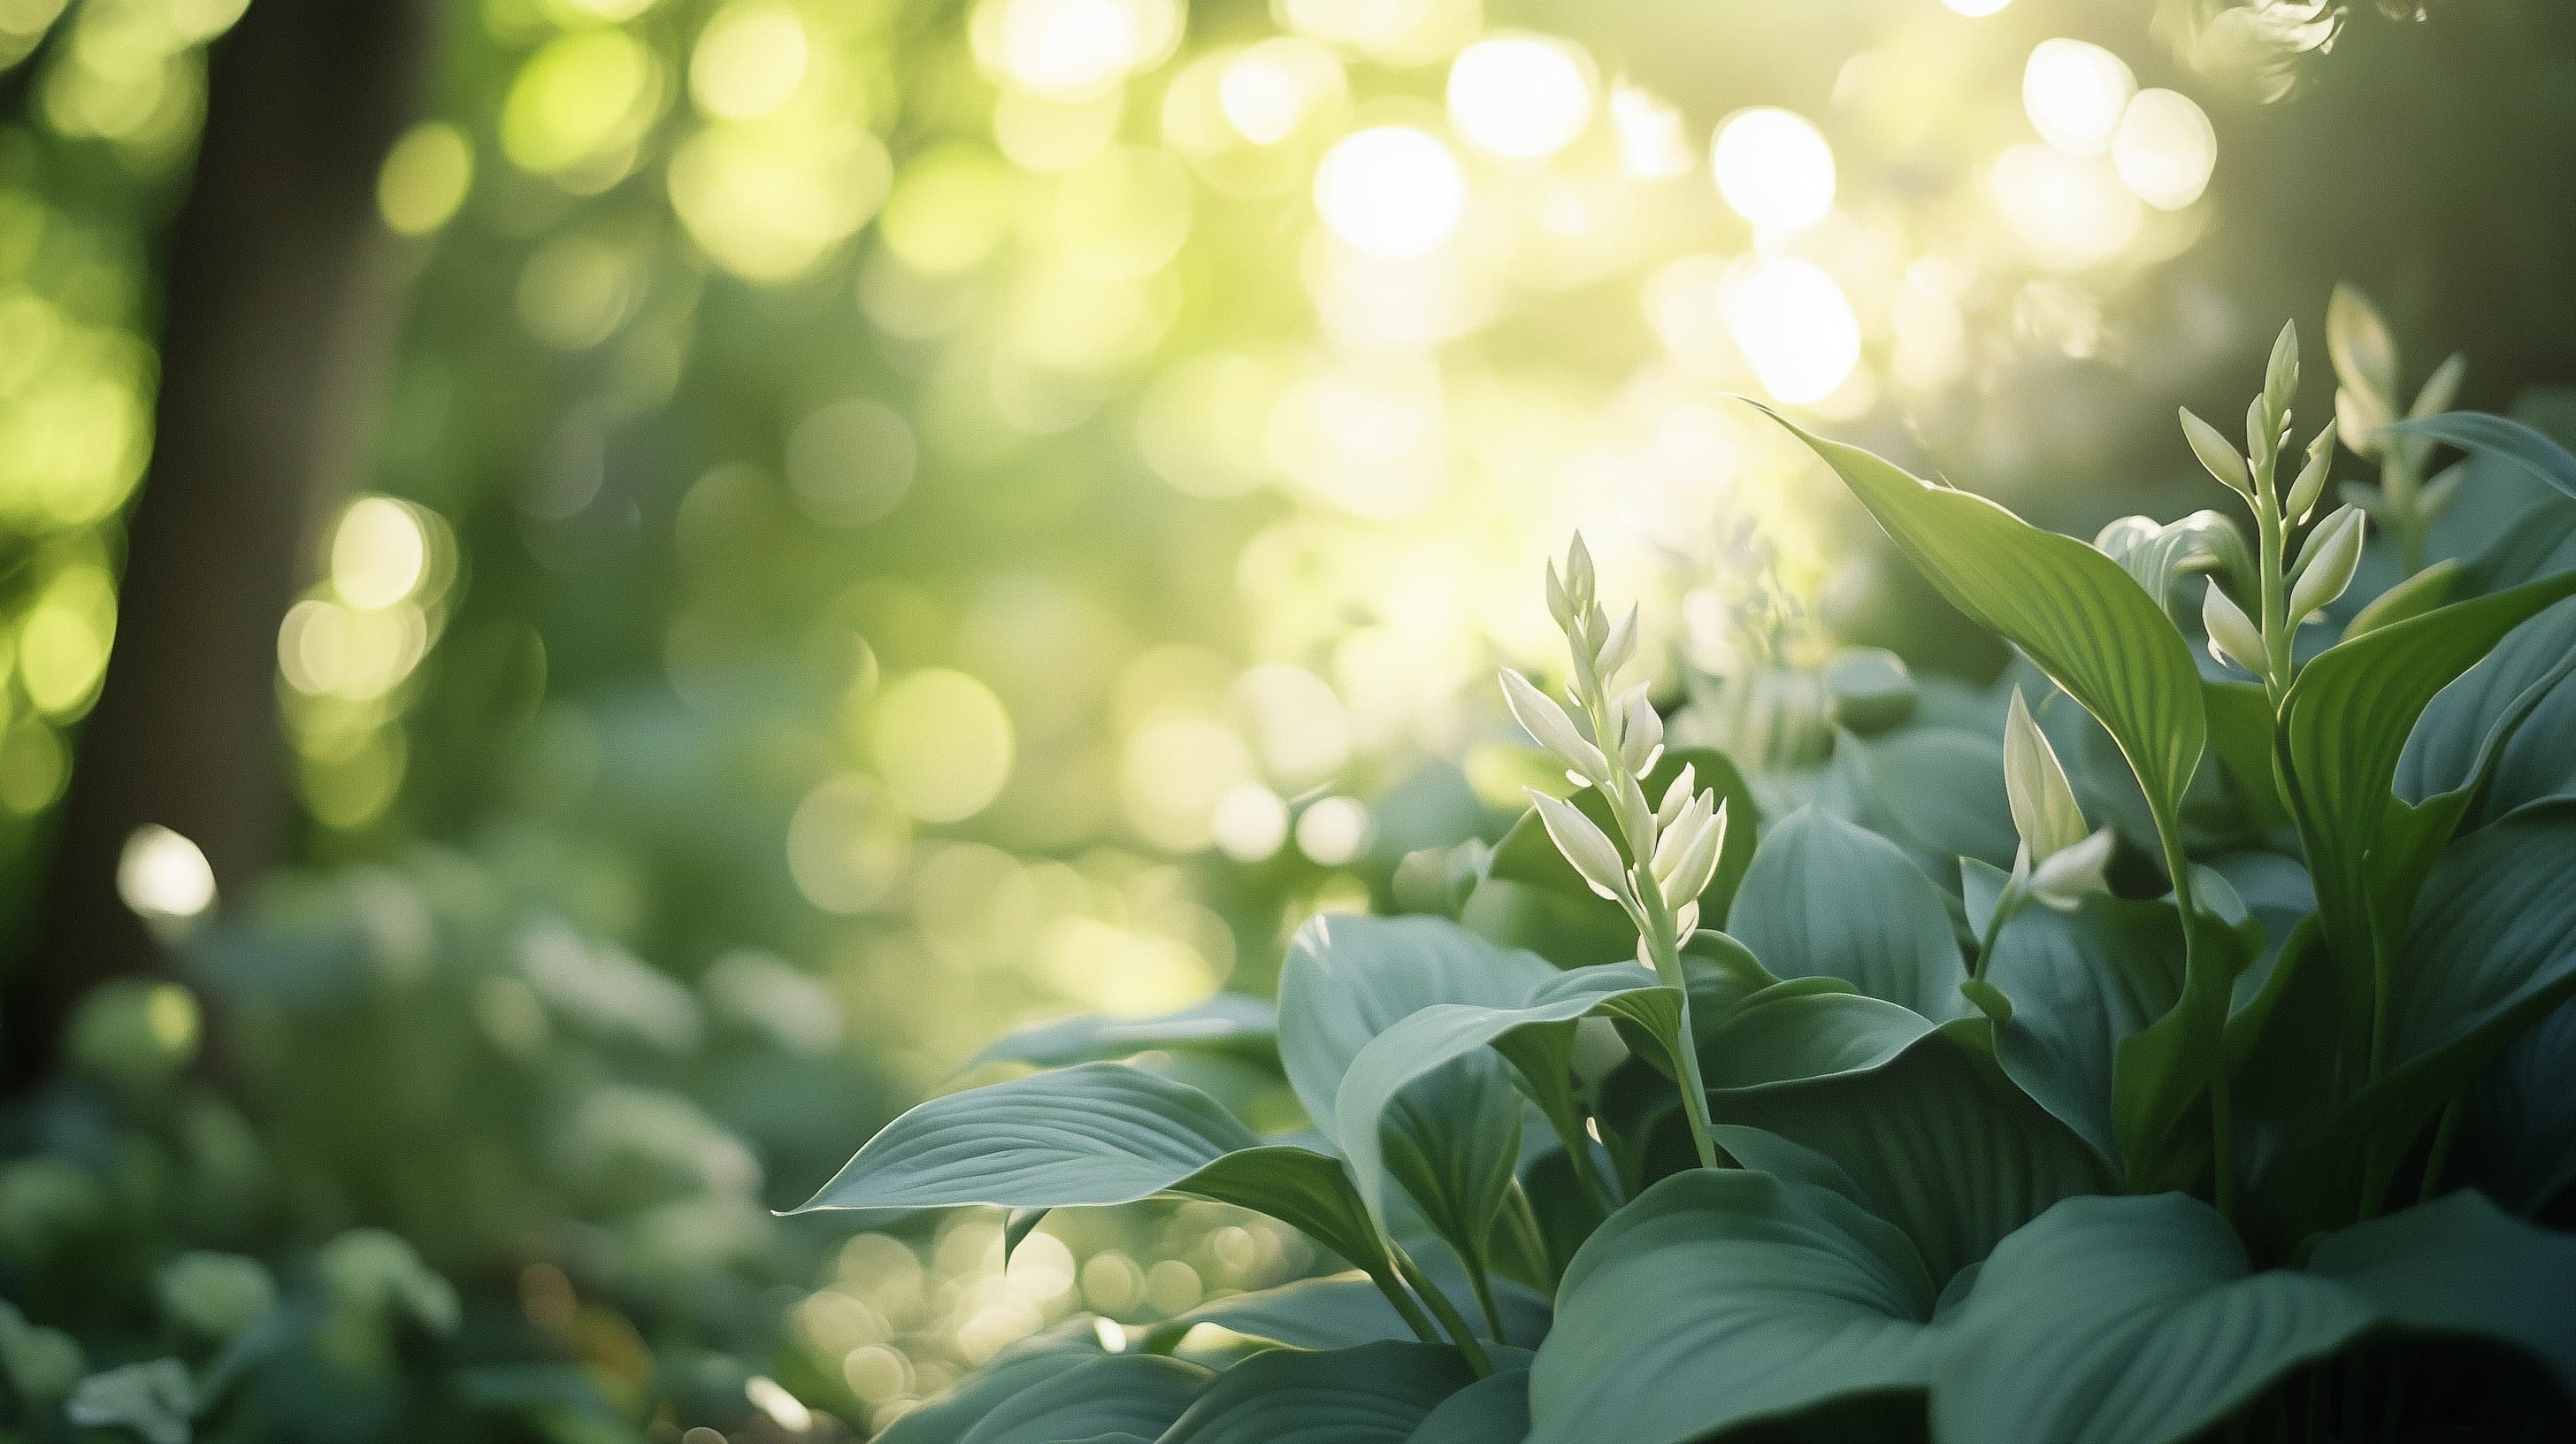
[1229, 1023]
[1825, 899]
[1015, 1370]
[1797, 1033]
[2461, 1266]
[2131, 1320]
[1942, 1146]
[1372, 1394]
[2082, 983]
[1340, 1311]
[2081, 619]
[2491, 950]
[1939, 790]
[1095, 1134]
[2481, 434]
[1452, 1137]
[1444, 1032]
[2503, 724]
[1492, 1410]
[1139, 1394]
[2521, 1124]
[1722, 1296]
[2345, 724]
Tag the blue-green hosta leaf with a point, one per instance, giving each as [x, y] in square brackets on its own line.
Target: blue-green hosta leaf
[1941, 1144]
[1798, 1032]
[2082, 983]
[1093, 1135]
[1016, 1369]
[155, 1400]
[1373, 1394]
[2482, 434]
[1438, 1035]
[1722, 1296]
[2125, 1320]
[2491, 950]
[1229, 1023]
[1492, 1410]
[1825, 899]
[1526, 857]
[2503, 725]
[1452, 1137]
[2083, 620]
[1139, 1394]
[2521, 1124]
[1938, 789]
[1340, 1311]
[2461, 1266]
[2345, 725]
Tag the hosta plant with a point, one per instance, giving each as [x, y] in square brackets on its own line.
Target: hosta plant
[2171, 1040]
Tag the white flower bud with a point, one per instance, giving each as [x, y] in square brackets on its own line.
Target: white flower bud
[2365, 355]
[2216, 454]
[1696, 868]
[2311, 484]
[2358, 417]
[2044, 810]
[1674, 838]
[2233, 637]
[1678, 796]
[1621, 645]
[2281, 376]
[1641, 732]
[1559, 605]
[2062, 880]
[1584, 845]
[1686, 920]
[1548, 725]
[2327, 562]
[2262, 435]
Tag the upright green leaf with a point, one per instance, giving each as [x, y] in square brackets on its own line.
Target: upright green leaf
[1825, 899]
[1436, 1036]
[2082, 983]
[2502, 727]
[1451, 1137]
[1723, 1296]
[1092, 1135]
[2492, 949]
[1372, 1394]
[2081, 619]
[2344, 727]
[2481, 434]
[2125, 1320]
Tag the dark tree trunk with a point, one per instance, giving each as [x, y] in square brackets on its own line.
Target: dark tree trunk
[281, 304]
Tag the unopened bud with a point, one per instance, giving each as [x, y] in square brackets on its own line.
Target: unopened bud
[2281, 376]
[2233, 637]
[2311, 483]
[2327, 562]
[1547, 725]
[2044, 810]
[2061, 881]
[1583, 845]
[2216, 455]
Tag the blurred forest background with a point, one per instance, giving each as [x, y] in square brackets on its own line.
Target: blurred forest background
[592, 592]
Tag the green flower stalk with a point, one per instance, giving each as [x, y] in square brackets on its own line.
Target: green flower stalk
[1665, 852]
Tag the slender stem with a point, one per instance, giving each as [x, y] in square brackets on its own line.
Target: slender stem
[2005, 907]
[2212, 1000]
[1568, 1127]
[1533, 1239]
[1459, 1333]
[1666, 954]
[1482, 1287]
[1405, 1308]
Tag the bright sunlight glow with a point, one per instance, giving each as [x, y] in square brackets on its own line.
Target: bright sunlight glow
[2074, 92]
[1519, 96]
[1796, 330]
[163, 875]
[2165, 149]
[1391, 191]
[1774, 167]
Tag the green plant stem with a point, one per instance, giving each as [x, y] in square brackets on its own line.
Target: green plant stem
[2213, 1003]
[1532, 1238]
[1405, 1308]
[1450, 1320]
[1568, 1127]
[1665, 952]
[1482, 1286]
[2005, 907]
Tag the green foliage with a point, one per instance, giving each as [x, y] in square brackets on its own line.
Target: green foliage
[1963, 1159]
